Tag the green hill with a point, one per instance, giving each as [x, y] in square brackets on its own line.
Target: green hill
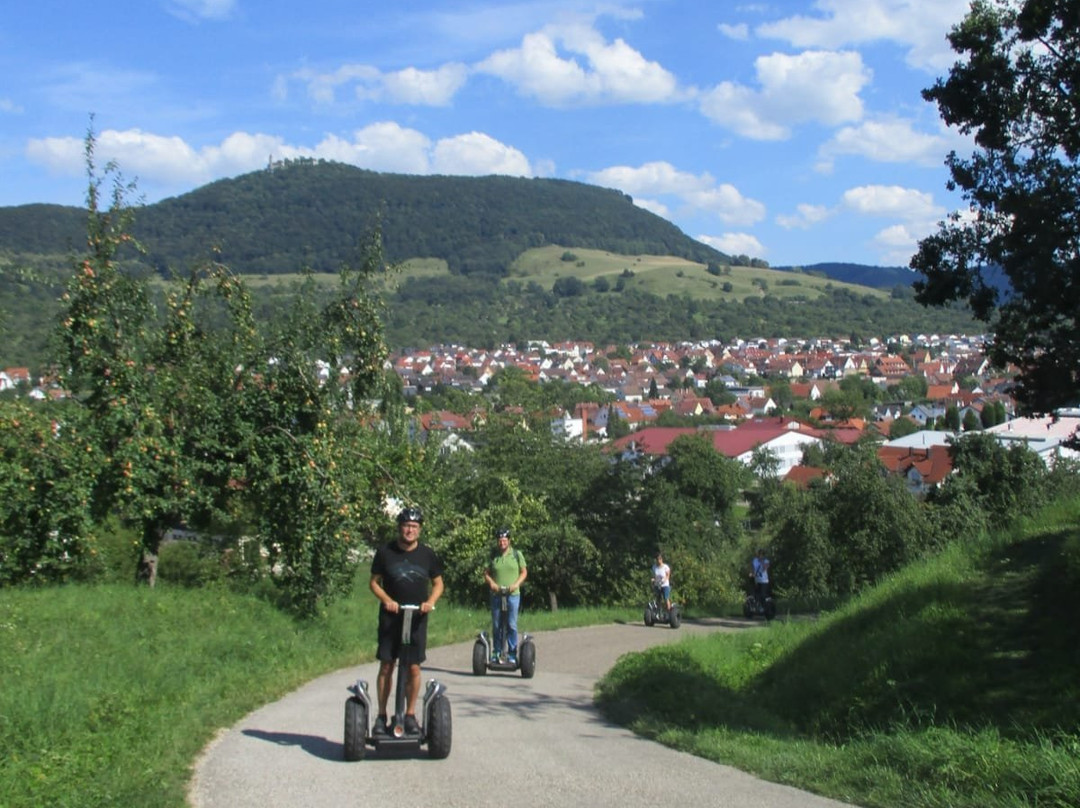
[313, 214]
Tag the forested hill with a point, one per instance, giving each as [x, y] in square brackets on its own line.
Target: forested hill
[313, 214]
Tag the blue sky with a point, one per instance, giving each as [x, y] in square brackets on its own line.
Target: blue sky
[792, 131]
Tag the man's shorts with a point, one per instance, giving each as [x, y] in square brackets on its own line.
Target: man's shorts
[390, 637]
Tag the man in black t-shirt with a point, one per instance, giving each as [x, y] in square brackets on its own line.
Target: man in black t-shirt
[404, 572]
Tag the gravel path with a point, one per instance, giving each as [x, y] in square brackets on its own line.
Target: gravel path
[537, 742]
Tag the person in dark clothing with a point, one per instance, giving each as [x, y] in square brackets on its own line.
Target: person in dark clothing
[404, 572]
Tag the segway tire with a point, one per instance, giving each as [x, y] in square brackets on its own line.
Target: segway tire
[439, 729]
[748, 608]
[650, 618]
[770, 609]
[356, 724]
[674, 618]
[527, 659]
[479, 658]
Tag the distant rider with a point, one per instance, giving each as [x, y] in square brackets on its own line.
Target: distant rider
[760, 574]
[661, 574]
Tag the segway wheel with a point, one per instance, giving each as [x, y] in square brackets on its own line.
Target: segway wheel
[770, 609]
[356, 725]
[748, 608]
[439, 729]
[479, 659]
[527, 659]
[674, 618]
[650, 618]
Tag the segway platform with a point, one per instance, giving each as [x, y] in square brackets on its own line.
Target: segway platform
[435, 732]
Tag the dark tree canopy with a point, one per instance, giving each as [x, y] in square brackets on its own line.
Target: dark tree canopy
[1016, 89]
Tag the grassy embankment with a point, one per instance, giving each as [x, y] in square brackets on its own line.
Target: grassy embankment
[954, 683]
[108, 693]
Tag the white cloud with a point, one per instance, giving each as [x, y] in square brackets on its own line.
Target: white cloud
[805, 217]
[735, 244]
[383, 146]
[10, 107]
[884, 141]
[917, 25]
[818, 86]
[653, 206]
[194, 10]
[893, 201]
[612, 72]
[433, 88]
[699, 193]
[739, 31]
[916, 212]
[478, 154]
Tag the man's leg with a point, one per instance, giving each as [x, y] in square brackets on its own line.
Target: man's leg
[496, 626]
[512, 634]
[412, 689]
[383, 684]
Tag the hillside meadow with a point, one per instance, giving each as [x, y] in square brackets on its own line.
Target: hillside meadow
[660, 275]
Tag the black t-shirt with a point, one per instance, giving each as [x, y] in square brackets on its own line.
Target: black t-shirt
[406, 575]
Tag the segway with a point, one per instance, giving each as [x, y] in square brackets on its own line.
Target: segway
[656, 611]
[754, 606]
[482, 660]
[436, 730]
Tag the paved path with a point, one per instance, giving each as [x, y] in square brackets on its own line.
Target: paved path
[542, 736]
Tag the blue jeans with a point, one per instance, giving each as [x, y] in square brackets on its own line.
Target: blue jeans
[513, 604]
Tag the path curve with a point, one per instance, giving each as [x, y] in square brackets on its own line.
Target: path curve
[541, 740]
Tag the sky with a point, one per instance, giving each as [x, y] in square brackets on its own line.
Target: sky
[792, 131]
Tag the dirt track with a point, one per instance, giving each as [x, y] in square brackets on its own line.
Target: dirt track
[542, 736]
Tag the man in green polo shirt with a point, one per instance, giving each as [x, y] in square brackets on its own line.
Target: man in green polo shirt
[506, 570]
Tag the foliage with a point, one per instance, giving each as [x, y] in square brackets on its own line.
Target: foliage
[152, 393]
[1013, 89]
[839, 538]
[318, 473]
[46, 527]
[1007, 482]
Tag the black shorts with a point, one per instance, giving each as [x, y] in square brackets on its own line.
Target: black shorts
[390, 637]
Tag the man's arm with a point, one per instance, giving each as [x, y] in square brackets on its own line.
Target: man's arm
[375, 585]
[436, 593]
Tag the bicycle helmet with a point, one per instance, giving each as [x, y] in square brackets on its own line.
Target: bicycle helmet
[410, 514]
[502, 532]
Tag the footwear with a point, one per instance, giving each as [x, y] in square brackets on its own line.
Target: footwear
[380, 727]
[412, 726]
[512, 659]
[494, 659]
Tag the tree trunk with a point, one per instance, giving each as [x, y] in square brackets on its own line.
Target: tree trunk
[553, 601]
[146, 571]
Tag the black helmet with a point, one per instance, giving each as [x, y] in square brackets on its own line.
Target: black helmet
[500, 532]
[410, 514]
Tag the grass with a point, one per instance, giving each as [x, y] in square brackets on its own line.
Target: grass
[110, 692]
[952, 684]
[655, 274]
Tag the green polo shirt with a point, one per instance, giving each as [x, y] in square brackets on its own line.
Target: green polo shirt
[505, 569]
